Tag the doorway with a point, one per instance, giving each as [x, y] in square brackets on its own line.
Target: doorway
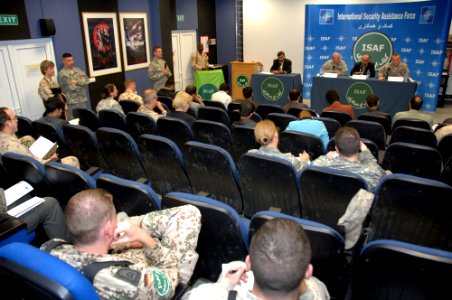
[184, 45]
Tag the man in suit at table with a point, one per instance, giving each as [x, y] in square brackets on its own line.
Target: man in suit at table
[364, 67]
[281, 65]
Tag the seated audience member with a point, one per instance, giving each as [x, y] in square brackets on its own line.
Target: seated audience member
[47, 214]
[150, 103]
[108, 99]
[332, 97]
[267, 136]
[181, 104]
[157, 250]
[372, 103]
[10, 143]
[442, 132]
[364, 67]
[223, 95]
[295, 100]
[54, 112]
[248, 93]
[281, 65]
[196, 99]
[349, 158]
[335, 65]
[131, 92]
[279, 258]
[307, 125]
[247, 109]
[415, 106]
[169, 90]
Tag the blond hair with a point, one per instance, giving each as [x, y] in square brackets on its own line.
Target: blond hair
[265, 132]
[181, 99]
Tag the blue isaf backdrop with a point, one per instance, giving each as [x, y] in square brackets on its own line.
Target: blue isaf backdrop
[418, 31]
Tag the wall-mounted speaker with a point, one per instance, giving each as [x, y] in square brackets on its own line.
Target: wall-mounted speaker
[47, 27]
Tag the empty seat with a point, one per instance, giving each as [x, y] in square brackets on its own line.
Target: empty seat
[331, 125]
[217, 104]
[413, 210]
[445, 147]
[214, 114]
[140, 123]
[413, 159]
[412, 123]
[160, 153]
[87, 118]
[223, 237]
[385, 122]
[264, 109]
[342, 117]
[54, 134]
[134, 198]
[84, 145]
[370, 130]
[234, 105]
[281, 120]
[446, 174]
[297, 142]
[413, 135]
[268, 182]
[370, 145]
[24, 126]
[66, 181]
[113, 119]
[5, 180]
[294, 111]
[129, 106]
[243, 139]
[325, 193]
[327, 250]
[168, 101]
[29, 273]
[213, 133]
[212, 170]
[121, 153]
[175, 129]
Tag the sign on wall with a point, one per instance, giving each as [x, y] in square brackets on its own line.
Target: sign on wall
[417, 31]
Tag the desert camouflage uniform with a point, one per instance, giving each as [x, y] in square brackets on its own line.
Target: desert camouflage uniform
[401, 70]
[45, 86]
[76, 95]
[159, 270]
[151, 113]
[109, 103]
[10, 143]
[341, 67]
[130, 95]
[269, 151]
[367, 166]
[199, 61]
[155, 73]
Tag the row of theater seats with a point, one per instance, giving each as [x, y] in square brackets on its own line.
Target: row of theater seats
[397, 261]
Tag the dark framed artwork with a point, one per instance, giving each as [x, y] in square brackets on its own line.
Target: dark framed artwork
[135, 40]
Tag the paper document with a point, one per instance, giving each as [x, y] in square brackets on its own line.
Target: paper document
[43, 148]
[25, 207]
[17, 191]
[74, 121]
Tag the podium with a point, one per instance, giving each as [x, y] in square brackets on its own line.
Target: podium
[241, 76]
[207, 82]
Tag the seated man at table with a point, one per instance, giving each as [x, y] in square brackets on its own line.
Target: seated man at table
[223, 95]
[415, 106]
[372, 103]
[332, 97]
[364, 67]
[247, 109]
[295, 100]
[308, 125]
[394, 68]
[281, 65]
[335, 65]
[169, 90]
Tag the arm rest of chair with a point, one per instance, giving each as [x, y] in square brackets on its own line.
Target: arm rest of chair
[93, 171]
[275, 209]
[142, 180]
[9, 226]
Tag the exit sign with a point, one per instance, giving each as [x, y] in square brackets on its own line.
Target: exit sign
[9, 20]
[180, 18]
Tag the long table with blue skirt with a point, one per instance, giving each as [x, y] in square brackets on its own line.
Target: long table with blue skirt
[274, 88]
[394, 96]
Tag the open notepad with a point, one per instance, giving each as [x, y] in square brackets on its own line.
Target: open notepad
[43, 148]
[14, 195]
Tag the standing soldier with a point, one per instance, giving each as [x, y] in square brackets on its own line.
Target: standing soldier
[158, 69]
[73, 82]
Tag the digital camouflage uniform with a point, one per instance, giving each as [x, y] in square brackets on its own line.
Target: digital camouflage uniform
[45, 86]
[151, 113]
[154, 273]
[130, 95]
[401, 70]
[109, 103]
[155, 73]
[340, 67]
[76, 95]
[269, 151]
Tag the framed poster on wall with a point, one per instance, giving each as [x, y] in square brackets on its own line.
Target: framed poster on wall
[101, 41]
[135, 40]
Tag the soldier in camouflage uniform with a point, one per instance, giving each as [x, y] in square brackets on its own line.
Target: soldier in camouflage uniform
[335, 65]
[108, 99]
[348, 158]
[158, 248]
[131, 92]
[158, 70]
[47, 83]
[73, 82]
[394, 68]
[150, 103]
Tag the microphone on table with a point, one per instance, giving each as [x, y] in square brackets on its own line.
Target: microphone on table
[387, 73]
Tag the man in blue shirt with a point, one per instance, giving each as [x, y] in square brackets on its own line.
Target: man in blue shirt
[307, 125]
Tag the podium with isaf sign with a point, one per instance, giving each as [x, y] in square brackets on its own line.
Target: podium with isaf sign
[241, 76]
[207, 82]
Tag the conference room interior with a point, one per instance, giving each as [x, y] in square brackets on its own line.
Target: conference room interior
[235, 31]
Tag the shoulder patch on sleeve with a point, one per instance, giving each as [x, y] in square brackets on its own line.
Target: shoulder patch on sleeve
[129, 275]
[161, 282]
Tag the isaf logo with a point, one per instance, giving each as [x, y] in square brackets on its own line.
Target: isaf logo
[375, 43]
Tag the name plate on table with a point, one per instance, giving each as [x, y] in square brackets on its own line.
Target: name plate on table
[330, 75]
[396, 78]
[359, 77]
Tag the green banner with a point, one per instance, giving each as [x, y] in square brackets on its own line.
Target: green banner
[208, 82]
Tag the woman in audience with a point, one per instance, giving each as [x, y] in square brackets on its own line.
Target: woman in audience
[181, 104]
[108, 99]
[307, 125]
[267, 136]
[47, 86]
